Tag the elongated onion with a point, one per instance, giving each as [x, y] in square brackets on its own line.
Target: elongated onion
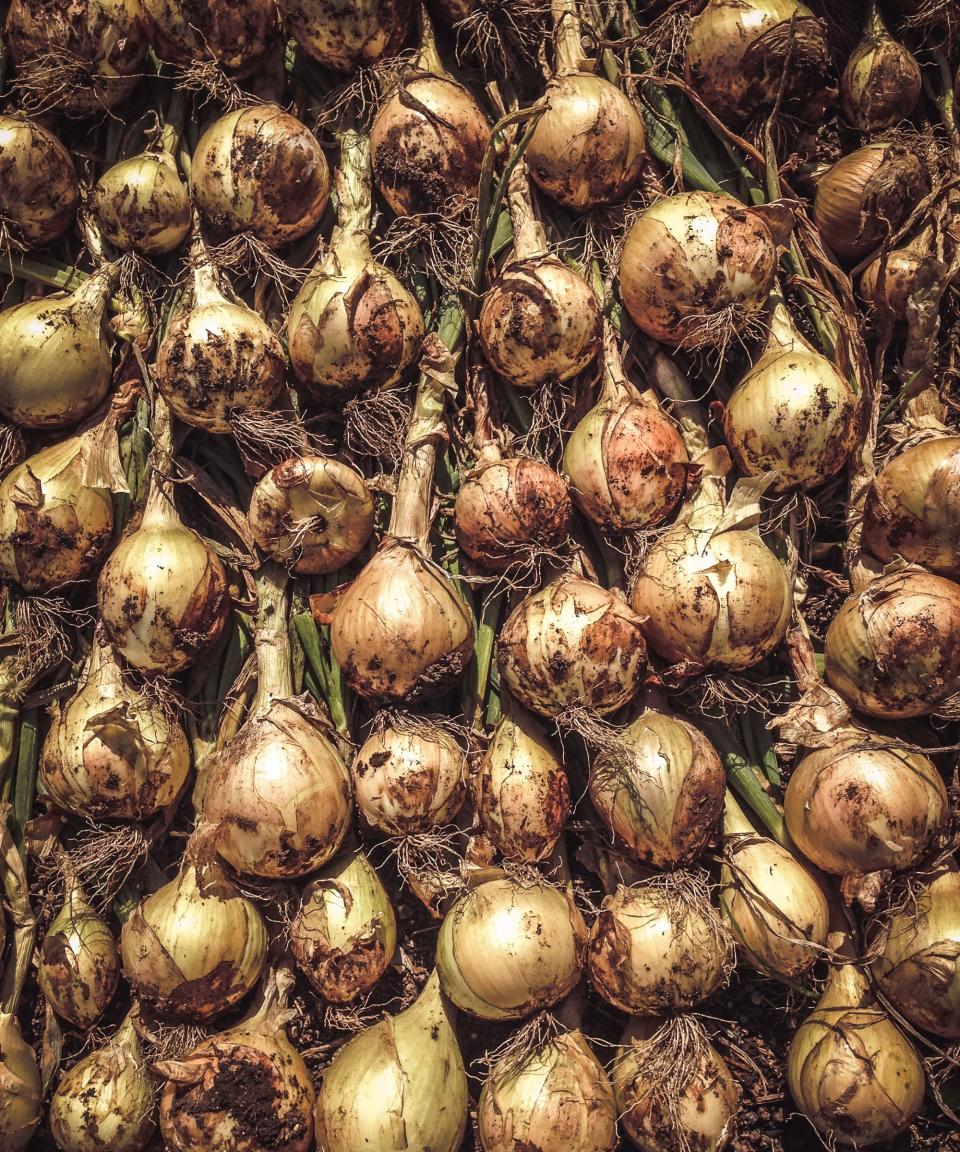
[237, 38]
[142, 205]
[21, 1090]
[881, 82]
[345, 35]
[38, 183]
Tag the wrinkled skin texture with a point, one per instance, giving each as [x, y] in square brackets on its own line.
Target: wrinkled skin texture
[38, 183]
[345, 35]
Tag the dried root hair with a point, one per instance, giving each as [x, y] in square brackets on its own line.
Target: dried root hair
[46, 78]
[376, 425]
[269, 436]
[247, 255]
[166, 1041]
[423, 723]
[507, 1059]
[45, 626]
[104, 856]
[207, 80]
[439, 243]
[430, 861]
[502, 35]
[13, 450]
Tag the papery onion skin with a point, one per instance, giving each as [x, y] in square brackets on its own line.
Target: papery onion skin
[344, 35]
[142, 205]
[21, 1089]
[900, 277]
[881, 82]
[893, 650]
[236, 37]
[78, 967]
[38, 182]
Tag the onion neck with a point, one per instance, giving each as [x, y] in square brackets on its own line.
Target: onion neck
[569, 43]
[91, 299]
[616, 387]
[428, 58]
[782, 334]
[484, 431]
[206, 283]
[354, 190]
[159, 508]
[875, 28]
[272, 639]
[430, 1006]
[529, 236]
[735, 821]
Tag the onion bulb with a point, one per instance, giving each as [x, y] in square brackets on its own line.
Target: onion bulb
[142, 205]
[893, 650]
[345, 933]
[555, 1097]
[881, 83]
[658, 946]
[345, 35]
[196, 947]
[743, 57]
[353, 325]
[312, 514]
[696, 268]
[903, 271]
[106, 1100]
[659, 787]
[572, 643]
[507, 949]
[260, 170]
[236, 37]
[866, 193]
[21, 1090]
[400, 1081]
[38, 183]
[409, 775]
[55, 364]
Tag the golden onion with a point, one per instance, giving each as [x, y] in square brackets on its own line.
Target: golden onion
[881, 82]
[345, 35]
[38, 183]
[21, 1090]
[142, 205]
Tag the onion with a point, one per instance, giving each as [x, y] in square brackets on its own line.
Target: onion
[658, 946]
[237, 38]
[893, 650]
[260, 170]
[659, 787]
[345, 933]
[38, 183]
[399, 1081]
[21, 1090]
[353, 325]
[696, 268]
[409, 775]
[745, 57]
[866, 193]
[881, 83]
[507, 949]
[345, 35]
[106, 1100]
[570, 644]
[902, 272]
[142, 205]
[311, 514]
[55, 365]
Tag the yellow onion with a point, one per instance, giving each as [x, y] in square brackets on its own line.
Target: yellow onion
[902, 271]
[345, 35]
[260, 170]
[659, 787]
[78, 966]
[865, 193]
[658, 946]
[572, 643]
[864, 804]
[106, 1100]
[345, 933]
[142, 205]
[775, 908]
[111, 752]
[850, 1070]
[673, 1088]
[745, 56]
[76, 58]
[38, 183]
[236, 37]
[507, 949]
[881, 83]
[20, 1087]
[399, 1082]
[521, 792]
[55, 364]
[919, 968]
[893, 650]
[353, 324]
[555, 1097]
[196, 947]
[312, 514]
[793, 413]
[913, 506]
[246, 1089]
[696, 267]
[409, 775]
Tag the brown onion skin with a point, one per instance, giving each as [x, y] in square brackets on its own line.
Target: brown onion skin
[899, 281]
[37, 202]
[880, 85]
[344, 36]
[235, 35]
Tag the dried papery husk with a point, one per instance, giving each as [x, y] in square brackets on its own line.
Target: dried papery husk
[745, 57]
[572, 643]
[260, 170]
[507, 949]
[658, 785]
[674, 1090]
[902, 272]
[21, 1090]
[235, 37]
[345, 35]
[196, 947]
[409, 775]
[865, 193]
[55, 362]
[353, 324]
[245, 1089]
[107, 1099]
[400, 1081]
[520, 791]
[919, 967]
[659, 946]
[881, 82]
[142, 205]
[893, 650]
[696, 269]
[78, 965]
[864, 804]
[312, 514]
[793, 413]
[38, 183]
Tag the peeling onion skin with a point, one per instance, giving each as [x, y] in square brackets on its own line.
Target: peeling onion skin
[900, 279]
[881, 82]
[344, 35]
[78, 965]
[237, 37]
[39, 192]
[893, 650]
[142, 205]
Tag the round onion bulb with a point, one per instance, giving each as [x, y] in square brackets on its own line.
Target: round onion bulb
[78, 967]
[903, 270]
[142, 205]
[881, 82]
[38, 183]
[696, 269]
[343, 35]
[21, 1090]
[236, 37]
[507, 949]
[893, 650]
